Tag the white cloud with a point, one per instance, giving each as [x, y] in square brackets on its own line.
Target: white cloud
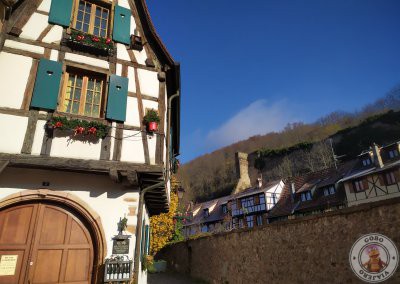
[257, 118]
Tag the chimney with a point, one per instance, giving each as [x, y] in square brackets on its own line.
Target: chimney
[377, 156]
[242, 172]
[259, 182]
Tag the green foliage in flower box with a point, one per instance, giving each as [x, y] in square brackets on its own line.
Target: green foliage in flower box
[62, 123]
[88, 40]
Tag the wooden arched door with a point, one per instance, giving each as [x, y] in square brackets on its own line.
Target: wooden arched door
[44, 243]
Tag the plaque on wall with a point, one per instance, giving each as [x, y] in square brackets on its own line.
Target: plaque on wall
[120, 246]
[8, 264]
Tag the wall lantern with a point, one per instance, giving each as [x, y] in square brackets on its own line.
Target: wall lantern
[180, 192]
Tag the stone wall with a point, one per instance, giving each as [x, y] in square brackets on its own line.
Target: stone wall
[313, 249]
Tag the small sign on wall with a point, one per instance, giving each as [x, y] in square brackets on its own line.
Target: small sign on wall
[8, 264]
[120, 246]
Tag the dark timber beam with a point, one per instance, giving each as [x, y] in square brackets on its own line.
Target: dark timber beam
[56, 163]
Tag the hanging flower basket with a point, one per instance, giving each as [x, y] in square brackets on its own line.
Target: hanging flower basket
[151, 119]
[88, 42]
[74, 127]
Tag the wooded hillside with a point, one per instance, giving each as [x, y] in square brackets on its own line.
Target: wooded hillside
[298, 148]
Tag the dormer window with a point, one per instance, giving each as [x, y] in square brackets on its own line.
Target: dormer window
[91, 18]
[330, 190]
[206, 213]
[393, 153]
[305, 196]
[224, 208]
[366, 162]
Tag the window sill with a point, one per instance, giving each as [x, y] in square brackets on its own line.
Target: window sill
[82, 117]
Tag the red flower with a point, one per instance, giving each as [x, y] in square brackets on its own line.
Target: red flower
[80, 37]
[95, 39]
[92, 130]
[79, 130]
[58, 124]
[108, 40]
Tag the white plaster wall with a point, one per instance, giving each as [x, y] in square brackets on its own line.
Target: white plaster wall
[13, 79]
[122, 53]
[132, 112]
[54, 55]
[34, 27]
[54, 35]
[45, 6]
[132, 147]
[23, 46]
[87, 60]
[132, 81]
[119, 69]
[152, 142]
[133, 26]
[149, 84]
[149, 105]
[67, 148]
[106, 198]
[38, 138]
[13, 130]
[140, 56]
[113, 130]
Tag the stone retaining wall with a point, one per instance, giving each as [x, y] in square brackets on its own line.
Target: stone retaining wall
[313, 249]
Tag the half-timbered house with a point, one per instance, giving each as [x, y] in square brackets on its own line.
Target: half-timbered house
[77, 78]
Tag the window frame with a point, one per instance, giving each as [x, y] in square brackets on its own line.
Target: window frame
[94, 3]
[306, 196]
[86, 75]
[358, 185]
[366, 162]
[390, 178]
[393, 153]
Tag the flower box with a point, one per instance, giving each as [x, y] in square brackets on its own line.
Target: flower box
[90, 43]
[76, 128]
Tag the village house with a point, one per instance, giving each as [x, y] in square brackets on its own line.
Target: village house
[247, 207]
[312, 193]
[90, 119]
[376, 175]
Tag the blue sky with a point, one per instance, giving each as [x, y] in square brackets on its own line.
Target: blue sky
[250, 67]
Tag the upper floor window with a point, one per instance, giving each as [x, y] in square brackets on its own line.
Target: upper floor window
[329, 190]
[83, 93]
[224, 208]
[393, 153]
[390, 178]
[306, 196]
[250, 221]
[360, 185]
[206, 212]
[92, 18]
[366, 162]
[259, 220]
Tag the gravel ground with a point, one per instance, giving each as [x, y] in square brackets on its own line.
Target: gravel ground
[171, 278]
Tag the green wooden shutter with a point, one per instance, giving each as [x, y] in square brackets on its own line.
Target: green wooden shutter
[122, 25]
[60, 12]
[47, 85]
[146, 250]
[142, 241]
[117, 96]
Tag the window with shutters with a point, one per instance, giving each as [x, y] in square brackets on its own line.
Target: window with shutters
[83, 93]
[92, 17]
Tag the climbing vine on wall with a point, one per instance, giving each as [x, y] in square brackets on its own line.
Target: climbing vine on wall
[163, 225]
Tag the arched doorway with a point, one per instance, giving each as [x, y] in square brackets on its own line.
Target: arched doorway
[46, 238]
